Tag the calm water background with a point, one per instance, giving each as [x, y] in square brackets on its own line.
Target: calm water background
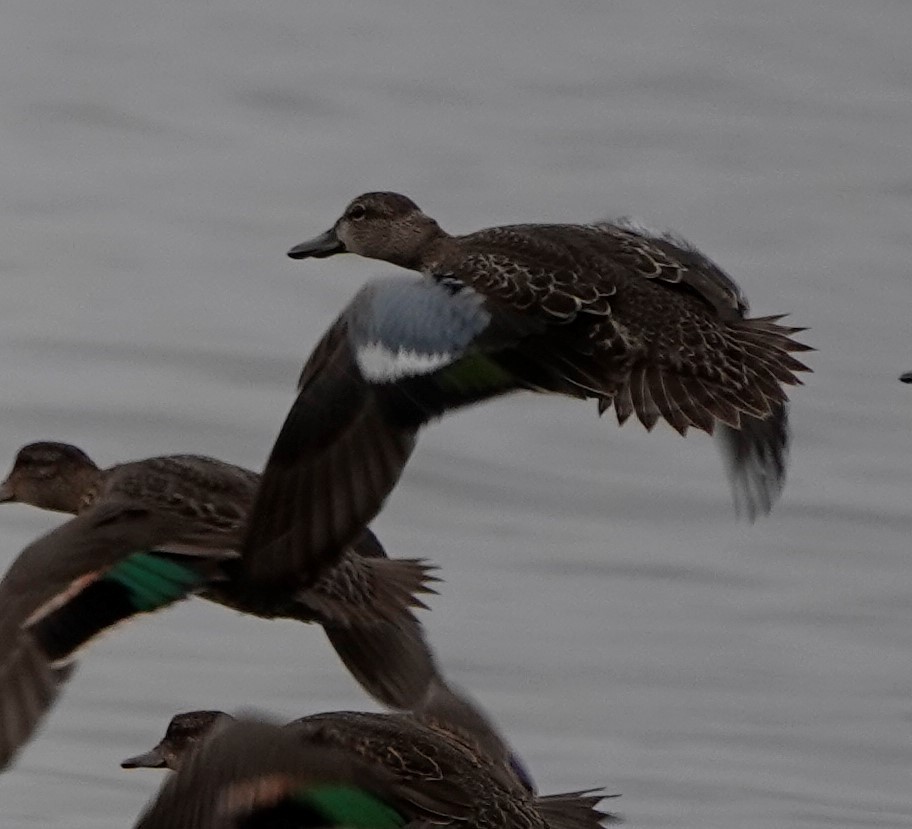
[600, 599]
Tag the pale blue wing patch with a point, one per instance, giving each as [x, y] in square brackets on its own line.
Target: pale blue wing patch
[401, 327]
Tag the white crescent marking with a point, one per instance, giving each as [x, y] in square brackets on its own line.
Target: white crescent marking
[379, 364]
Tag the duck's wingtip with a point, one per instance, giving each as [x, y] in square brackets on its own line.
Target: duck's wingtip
[756, 457]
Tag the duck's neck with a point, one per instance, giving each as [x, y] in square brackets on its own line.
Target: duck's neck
[432, 252]
[84, 492]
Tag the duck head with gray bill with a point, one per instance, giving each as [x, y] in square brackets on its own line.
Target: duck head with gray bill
[385, 226]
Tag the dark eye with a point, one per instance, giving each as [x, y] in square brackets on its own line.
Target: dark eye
[357, 212]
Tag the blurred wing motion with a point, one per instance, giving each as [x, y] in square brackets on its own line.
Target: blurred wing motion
[365, 606]
[253, 773]
[401, 354]
[73, 583]
[756, 460]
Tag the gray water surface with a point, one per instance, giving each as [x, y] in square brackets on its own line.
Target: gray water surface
[600, 599]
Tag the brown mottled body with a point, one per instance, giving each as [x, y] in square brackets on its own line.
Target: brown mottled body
[431, 775]
[637, 320]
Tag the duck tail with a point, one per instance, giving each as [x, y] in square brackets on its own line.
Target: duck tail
[740, 372]
[363, 591]
[394, 583]
[575, 810]
[764, 347]
[398, 583]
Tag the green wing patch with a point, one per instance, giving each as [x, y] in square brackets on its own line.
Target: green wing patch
[153, 580]
[475, 373]
[351, 807]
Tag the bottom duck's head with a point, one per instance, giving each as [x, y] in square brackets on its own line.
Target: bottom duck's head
[49, 475]
[185, 732]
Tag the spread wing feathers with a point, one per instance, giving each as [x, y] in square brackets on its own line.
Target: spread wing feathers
[743, 392]
[575, 810]
[392, 661]
[741, 376]
[403, 352]
[598, 277]
[252, 768]
[70, 585]
[761, 360]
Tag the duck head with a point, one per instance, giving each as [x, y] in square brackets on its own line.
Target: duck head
[49, 475]
[385, 226]
[184, 733]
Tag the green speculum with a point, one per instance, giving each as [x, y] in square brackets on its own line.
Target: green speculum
[352, 807]
[153, 580]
